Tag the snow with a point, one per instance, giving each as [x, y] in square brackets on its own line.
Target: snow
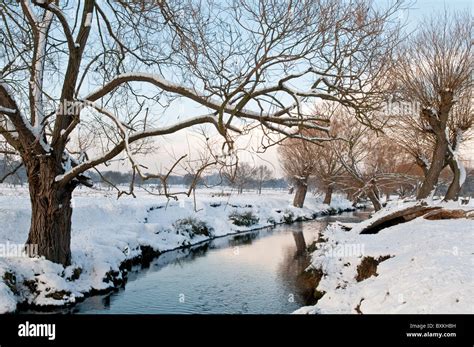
[67, 161]
[30, 10]
[425, 161]
[107, 232]
[28, 126]
[454, 150]
[88, 20]
[7, 110]
[58, 178]
[37, 85]
[432, 110]
[462, 172]
[430, 269]
[7, 299]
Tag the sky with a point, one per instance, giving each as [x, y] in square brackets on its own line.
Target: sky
[187, 142]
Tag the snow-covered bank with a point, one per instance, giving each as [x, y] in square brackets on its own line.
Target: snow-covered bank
[108, 232]
[424, 266]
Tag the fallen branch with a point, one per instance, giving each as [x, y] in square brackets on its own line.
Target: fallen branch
[397, 217]
[448, 214]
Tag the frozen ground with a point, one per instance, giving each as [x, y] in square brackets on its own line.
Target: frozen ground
[107, 232]
[430, 269]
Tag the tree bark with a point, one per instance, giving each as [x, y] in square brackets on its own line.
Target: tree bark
[50, 227]
[397, 217]
[437, 165]
[455, 186]
[328, 196]
[301, 189]
[438, 122]
[374, 199]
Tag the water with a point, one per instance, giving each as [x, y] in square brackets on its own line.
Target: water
[255, 272]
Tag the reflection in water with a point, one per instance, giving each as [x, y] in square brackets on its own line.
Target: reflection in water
[254, 272]
[243, 239]
[98, 302]
[301, 284]
[300, 243]
[292, 268]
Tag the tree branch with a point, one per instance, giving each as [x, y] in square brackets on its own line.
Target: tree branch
[71, 174]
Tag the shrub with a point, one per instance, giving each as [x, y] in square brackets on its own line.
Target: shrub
[288, 217]
[192, 226]
[330, 211]
[245, 219]
[76, 273]
[271, 220]
[32, 286]
[10, 280]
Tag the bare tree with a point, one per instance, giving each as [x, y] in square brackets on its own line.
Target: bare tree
[305, 162]
[354, 152]
[435, 70]
[115, 70]
[262, 174]
[328, 172]
[298, 163]
[240, 176]
[372, 163]
[329, 168]
[414, 137]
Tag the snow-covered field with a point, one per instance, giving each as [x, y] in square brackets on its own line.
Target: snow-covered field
[430, 269]
[106, 232]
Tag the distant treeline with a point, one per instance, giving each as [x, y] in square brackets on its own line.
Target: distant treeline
[120, 178]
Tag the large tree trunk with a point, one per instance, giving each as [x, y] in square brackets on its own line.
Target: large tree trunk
[455, 186]
[328, 196]
[51, 214]
[374, 199]
[397, 217]
[301, 189]
[438, 122]
[437, 165]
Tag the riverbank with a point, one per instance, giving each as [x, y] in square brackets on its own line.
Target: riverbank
[109, 234]
[418, 267]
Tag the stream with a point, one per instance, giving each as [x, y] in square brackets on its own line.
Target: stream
[256, 272]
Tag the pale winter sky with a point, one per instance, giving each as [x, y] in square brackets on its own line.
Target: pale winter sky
[187, 142]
